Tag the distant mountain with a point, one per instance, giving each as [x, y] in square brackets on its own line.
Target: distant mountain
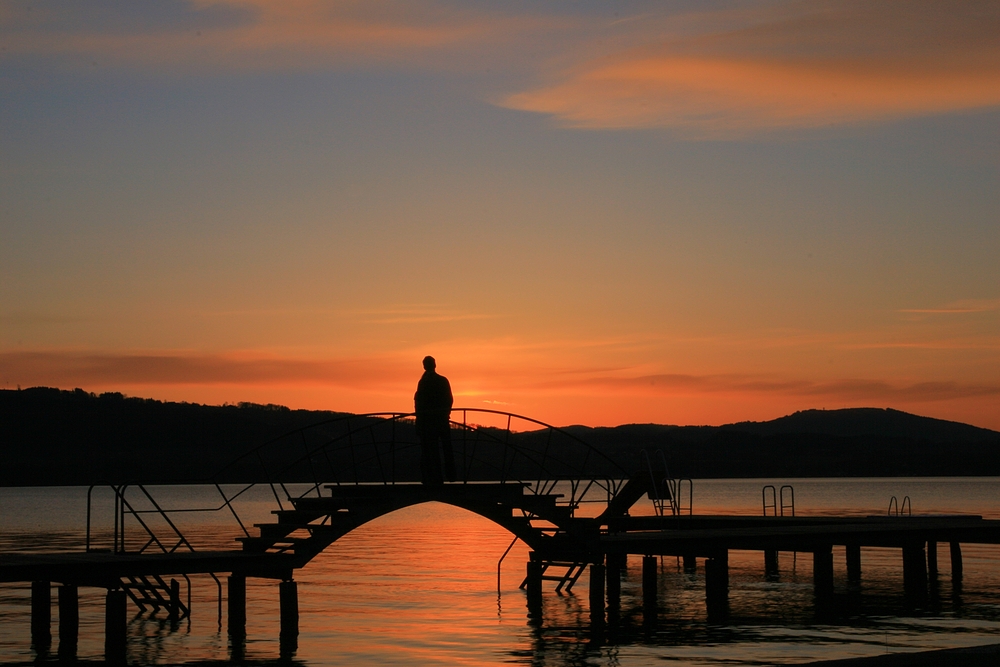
[50, 436]
[852, 422]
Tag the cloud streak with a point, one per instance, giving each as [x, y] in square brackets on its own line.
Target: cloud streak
[959, 307]
[827, 63]
[848, 389]
[68, 369]
[256, 35]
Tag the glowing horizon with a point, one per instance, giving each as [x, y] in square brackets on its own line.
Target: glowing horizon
[588, 213]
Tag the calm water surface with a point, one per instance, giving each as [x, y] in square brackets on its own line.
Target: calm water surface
[419, 587]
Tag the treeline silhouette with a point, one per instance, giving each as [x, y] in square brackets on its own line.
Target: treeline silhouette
[57, 437]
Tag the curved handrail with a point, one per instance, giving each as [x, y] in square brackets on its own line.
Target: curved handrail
[366, 445]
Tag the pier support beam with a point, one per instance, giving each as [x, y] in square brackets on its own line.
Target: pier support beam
[650, 564]
[236, 603]
[956, 562]
[932, 560]
[690, 564]
[41, 616]
[915, 571]
[534, 578]
[288, 594]
[616, 564]
[69, 621]
[597, 576]
[174, 612]
[717, 586]
[823, 573]
[115, 627]
[854, 563]
[771, 564]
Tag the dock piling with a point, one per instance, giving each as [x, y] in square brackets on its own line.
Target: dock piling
[597, 576]
[616, 564]
[288, 594]
[956, 562]
[932, 559]
[534, 577]
[237, 605]
[41, 616]
[915, 571]
[717, 585]
[823, 572]
[69, 621]
[771, 564]
[174, 612]
[115, 626]
[690, 563]
[854, 563]
[649, 575]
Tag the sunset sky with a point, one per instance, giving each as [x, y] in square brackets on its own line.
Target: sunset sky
[591, 212]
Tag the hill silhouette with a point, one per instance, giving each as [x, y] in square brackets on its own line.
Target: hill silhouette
[57, 437]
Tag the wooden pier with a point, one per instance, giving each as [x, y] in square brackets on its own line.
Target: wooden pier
[537, 494]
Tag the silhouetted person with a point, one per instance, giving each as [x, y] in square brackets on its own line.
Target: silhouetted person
[432, 403]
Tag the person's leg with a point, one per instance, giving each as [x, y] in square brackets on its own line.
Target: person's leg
[449, 458]
[430, 461]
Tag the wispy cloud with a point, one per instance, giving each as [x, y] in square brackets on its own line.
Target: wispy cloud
[848, 389]
[252, 34]
[959, 307]
[397, 374]
[419, 314]
[65, 369]
[804, 65]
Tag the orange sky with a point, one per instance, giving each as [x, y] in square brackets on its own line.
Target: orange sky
[589, 213]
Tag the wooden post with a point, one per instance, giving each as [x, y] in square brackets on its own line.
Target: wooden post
[41, 616]
[614, 583]
[597, 576]
[115, 627]
[69, 620]
[174, 612]
[854, 563]
[932, 560]
[288, 595]
[649, 567]
[770, 563]
[956, 561]
[690, 563]
[534, 579]
[717, 585]
[915, 571]
[823, 573]
[237, 604]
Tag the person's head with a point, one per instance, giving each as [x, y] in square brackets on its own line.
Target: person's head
[429, 363]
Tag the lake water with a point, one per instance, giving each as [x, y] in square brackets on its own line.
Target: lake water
[420, 587]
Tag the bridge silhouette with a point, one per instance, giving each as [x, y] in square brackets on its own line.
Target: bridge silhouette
[571, 504]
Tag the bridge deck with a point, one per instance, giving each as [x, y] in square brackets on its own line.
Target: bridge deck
[105, 568]
[705, 535]
[680, 536]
